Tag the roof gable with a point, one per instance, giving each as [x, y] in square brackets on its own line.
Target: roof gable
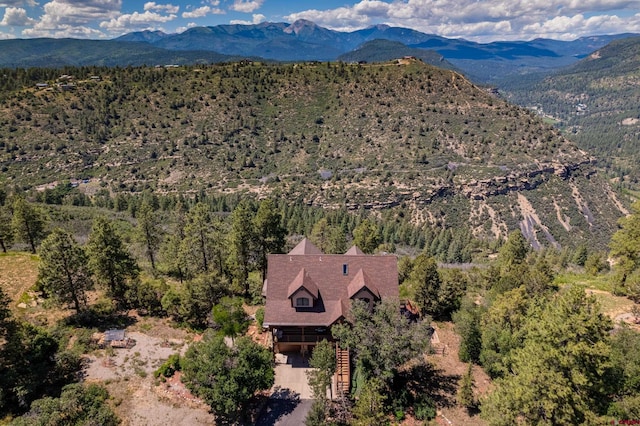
[303, 281]
[359, 282]
[305, 247]
[354, 251]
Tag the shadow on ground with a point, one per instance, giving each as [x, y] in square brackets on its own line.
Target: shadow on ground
[426, 380]
[99, 318]
[281, 403]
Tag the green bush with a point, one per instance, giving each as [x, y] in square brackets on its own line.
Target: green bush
[425, 409]
[169, 367]
[260, 316]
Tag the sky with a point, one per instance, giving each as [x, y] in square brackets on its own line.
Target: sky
[477, 20]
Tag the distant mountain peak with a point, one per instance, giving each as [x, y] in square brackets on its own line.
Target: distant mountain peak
[301, 25]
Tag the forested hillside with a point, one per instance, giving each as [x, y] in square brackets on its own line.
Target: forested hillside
[400, 133]
[596, 103]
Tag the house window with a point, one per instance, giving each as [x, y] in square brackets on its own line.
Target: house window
[302, 301]
[345, 269]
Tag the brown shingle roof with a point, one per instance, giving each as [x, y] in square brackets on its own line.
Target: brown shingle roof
[377, 273]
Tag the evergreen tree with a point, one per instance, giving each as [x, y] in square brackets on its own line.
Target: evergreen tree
[562, 373]
[242, 242]
[467, 325]
[201, 248]
[78, 405]
[323, 362]
[229, 315]
[148, 231]
[6, 233]
[111, 263]
[227, 378]
[465, 396]
[502, 331]
[63, 271]
[426, 281]
[367, 236]
[28, 223]
[625, 248]
[514, 251]
[269, 233]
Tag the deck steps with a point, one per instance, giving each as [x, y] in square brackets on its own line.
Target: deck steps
[343, 370]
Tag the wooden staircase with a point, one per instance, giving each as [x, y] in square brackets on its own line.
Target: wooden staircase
[343, 371]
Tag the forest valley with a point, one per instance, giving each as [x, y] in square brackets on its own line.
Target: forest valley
[536, 322]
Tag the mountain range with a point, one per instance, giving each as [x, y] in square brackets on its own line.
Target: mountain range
[300, 41]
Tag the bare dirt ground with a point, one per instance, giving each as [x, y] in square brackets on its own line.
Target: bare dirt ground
[618, 308]
[451, 368]
[140, 399]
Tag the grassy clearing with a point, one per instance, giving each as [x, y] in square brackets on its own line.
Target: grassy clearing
[598, 282]
[18, 273]
[600, 287]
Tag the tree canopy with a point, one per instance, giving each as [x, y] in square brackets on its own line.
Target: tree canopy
[625, 248]
[381, 339]
[562, 373]
[227, 377]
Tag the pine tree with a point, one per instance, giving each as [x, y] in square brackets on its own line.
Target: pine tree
[269, 233]
[111, 263]
[465, 396]
[367, 236]
[6, 233]
[427, 283]
[148, 231]
[63, 271]
[28, 223]
[242, 242]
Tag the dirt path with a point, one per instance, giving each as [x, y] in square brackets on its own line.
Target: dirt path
[450, 366]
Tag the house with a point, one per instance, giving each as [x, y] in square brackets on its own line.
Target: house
[307, 292]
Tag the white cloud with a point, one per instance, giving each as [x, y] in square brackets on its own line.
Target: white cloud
[202, 12]
[72, 18]
[135, 21]
[64, 31]
[257, 18]
[16, 17]
[70, 12]
[167, 8]
[183, 29]
[246, 6]
[16, 3]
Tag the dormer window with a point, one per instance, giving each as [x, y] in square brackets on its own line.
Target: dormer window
[302, 302]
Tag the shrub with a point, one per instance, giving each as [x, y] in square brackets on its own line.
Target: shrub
[260, 316]
[169, 367]
[425, 409]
